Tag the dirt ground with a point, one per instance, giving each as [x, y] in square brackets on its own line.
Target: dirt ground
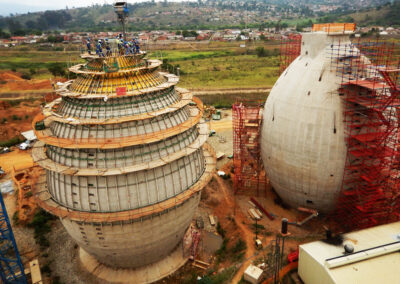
[222, 141]
[17, 119]
[17, 116]
[12, 81]
[232, 214]
[17, 159]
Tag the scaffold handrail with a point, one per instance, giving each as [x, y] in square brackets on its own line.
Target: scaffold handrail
[119, 142]
[50, 114]
[334, 27]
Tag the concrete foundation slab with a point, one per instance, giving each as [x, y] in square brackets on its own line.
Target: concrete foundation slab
[142, 275]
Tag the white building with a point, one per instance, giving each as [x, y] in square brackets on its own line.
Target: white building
[375, 259]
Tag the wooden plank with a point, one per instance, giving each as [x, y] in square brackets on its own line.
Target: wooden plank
[35, 272]
[212, 221]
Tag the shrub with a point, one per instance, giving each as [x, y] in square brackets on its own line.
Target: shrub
[26, 76]
[13, 141]
[57, 280]
[46, 269]
[261, 52]
[40, 224]
[239, 246]
[221, 252]
[15, 217]
[56, 69]
[220, 230]
[258, 227]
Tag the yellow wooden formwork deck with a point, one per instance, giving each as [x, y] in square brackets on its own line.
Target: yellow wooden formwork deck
[44, 199]
[171, 80]
[152, 64]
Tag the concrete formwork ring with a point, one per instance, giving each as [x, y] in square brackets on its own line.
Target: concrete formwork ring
[45, 200]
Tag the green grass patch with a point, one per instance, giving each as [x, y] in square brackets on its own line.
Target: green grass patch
[11, 142]
[237, 71]
[219, 278]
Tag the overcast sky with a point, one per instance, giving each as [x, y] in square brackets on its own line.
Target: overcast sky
[24, 6]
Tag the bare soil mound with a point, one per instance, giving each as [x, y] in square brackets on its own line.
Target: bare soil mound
[10, 76]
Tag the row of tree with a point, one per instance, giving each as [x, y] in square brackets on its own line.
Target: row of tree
[49, 20]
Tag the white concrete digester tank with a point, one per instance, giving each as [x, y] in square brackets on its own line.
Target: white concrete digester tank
[302, 137]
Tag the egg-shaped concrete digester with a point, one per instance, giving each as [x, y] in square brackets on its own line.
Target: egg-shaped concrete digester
[126, 158]
[302, 139]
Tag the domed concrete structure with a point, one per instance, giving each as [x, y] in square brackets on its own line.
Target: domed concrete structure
[302, 140]
[126, 159]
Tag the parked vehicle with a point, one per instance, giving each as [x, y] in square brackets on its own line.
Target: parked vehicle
[2, 172]
[26, 145]
[4, 150]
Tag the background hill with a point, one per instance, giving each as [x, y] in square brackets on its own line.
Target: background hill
[211, 14]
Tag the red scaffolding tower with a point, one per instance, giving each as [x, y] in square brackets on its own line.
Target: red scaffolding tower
[248, 167]
[246, 118]
[370, 191]
[289, 50]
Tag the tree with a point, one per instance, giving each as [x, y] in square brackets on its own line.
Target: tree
[56, 69]
[261, 52]
[54, 39]
[4, 34]
[13, 25]
[186, 33]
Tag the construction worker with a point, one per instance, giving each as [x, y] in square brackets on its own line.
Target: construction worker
[137, 47]
[121, 46]
[127, 47]
[88, 45]
[99, 49]
[108, 48]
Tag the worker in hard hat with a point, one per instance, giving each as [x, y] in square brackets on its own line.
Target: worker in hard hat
[108, 47]
[99, 49]
[88, 45]
[121, 46]
[137, 46]
[127, 47]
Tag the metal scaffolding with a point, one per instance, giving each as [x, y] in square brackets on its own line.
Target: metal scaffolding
[370, 191]
[11, 269]
[248, 168]
[289, 50]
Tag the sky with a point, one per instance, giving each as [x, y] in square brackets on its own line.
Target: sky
[24, 6]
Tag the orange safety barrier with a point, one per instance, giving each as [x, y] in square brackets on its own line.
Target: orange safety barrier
[334, 27]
